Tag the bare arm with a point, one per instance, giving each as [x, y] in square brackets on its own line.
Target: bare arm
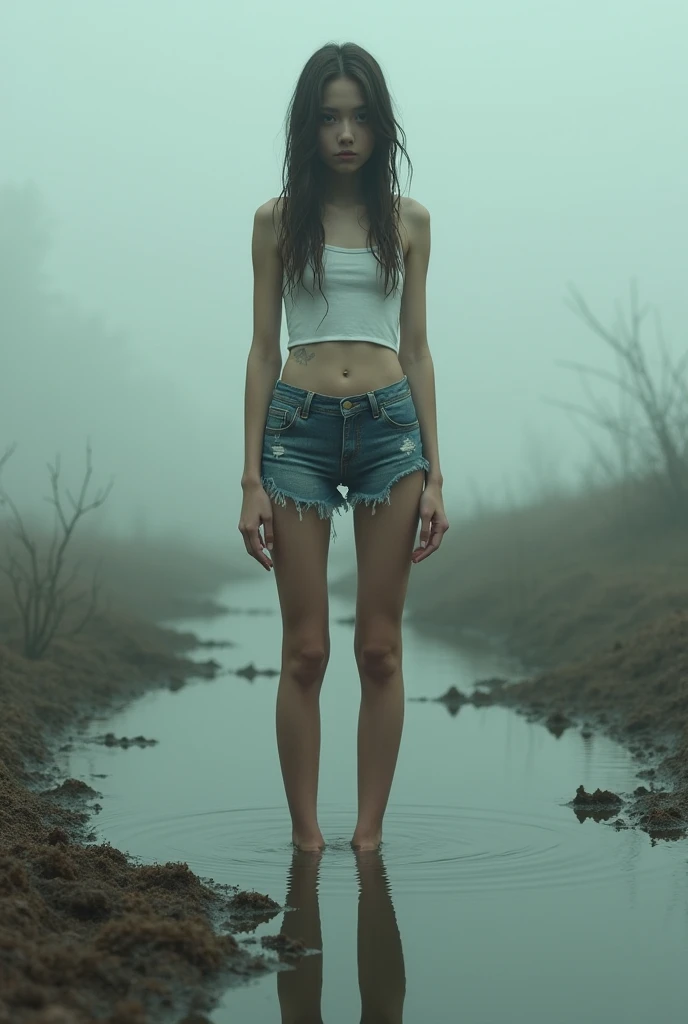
[416, 362]
[264, 358]
[262, 370]
[414, 352]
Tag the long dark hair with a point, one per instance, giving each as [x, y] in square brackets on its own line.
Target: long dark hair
[301, 235]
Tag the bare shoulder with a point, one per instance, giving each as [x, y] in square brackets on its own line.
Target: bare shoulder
[413, 212]
[267, 218]
[265, 210]
[415, 221]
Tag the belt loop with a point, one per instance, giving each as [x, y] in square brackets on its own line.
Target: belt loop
[374, 407]
[307, 405]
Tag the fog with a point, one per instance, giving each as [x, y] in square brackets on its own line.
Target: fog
[548, 141]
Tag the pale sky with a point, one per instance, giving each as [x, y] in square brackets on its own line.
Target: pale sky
[549, 142]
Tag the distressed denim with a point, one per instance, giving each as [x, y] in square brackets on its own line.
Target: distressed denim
[313, 443]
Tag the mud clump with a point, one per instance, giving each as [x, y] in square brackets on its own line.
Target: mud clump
[558, 723]
[665, 822]
[253, 901]
[600, 798]
[453, 700]
[250, 672]
[661, 813]
[110, 740]
[287, 947]
[247, 910]
[71, 788]
[600, 805]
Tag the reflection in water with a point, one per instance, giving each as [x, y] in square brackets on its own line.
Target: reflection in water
[381, 975]
[479, 831]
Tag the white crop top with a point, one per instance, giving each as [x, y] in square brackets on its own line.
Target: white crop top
[354, 284]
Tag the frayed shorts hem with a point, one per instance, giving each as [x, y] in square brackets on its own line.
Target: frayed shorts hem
[385, 497]
[326, 509]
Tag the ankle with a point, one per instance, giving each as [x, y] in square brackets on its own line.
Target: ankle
[367, 837]
[308, 838]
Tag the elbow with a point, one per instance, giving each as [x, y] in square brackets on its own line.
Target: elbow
[265, 350]
[413, 352]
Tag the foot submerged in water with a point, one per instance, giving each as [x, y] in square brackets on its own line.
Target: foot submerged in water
[309, 842]
[366, 842]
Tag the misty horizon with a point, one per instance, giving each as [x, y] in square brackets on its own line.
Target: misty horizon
[543, 142]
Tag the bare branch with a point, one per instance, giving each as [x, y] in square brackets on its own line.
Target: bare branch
[603, 374]
[5, 457]
[662, 400]
[41, 594]
[602, 421]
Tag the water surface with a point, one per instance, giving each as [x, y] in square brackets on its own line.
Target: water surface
[490, 902]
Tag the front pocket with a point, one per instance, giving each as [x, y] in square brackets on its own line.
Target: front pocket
[280, 418]
[401, 414]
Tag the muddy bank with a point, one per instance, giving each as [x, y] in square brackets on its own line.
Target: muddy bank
[559, 579]
[637, 693]
[85, 932]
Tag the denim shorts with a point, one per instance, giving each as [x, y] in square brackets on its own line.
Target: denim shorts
[313, 443]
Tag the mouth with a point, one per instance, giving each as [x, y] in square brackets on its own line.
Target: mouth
[346, 155]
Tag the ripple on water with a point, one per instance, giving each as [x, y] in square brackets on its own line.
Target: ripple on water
[426, 849]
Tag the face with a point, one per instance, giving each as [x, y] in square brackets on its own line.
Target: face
[343, 124]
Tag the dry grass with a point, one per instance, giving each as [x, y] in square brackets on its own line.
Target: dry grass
[559, 579]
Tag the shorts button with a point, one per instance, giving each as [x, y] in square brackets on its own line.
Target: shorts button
[347, 405]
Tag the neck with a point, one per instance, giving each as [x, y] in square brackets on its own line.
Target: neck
[343, 193]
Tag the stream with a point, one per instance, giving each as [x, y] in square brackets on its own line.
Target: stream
[490, 903]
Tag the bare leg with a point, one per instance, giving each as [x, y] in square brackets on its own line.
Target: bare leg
[300, 991]
[381, 974]
[384, 543]
[300, 560]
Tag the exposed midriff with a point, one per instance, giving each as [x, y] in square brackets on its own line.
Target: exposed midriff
[341, 368]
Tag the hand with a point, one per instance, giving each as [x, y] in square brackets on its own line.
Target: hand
[434, 523]
[256, 511]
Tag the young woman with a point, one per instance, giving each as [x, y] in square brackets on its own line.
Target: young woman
[354, 405]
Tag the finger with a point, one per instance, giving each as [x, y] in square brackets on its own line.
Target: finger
[257, 549]
[255, 546]
[424, 536]
[264, 559]
[269, 536]
[435, 540]
[425, 530]
[436, 534]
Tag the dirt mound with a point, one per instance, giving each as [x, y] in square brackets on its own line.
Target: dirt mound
[85, 933]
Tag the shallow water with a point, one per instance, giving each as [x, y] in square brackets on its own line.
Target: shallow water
[490, 902]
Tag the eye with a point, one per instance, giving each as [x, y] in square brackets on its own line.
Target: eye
[362, 114]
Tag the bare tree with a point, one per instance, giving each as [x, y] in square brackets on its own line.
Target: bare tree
[650, 430]
[5, 456]
[41, 593]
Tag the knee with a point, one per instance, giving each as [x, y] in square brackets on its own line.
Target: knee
[378, 661]
[306, 663]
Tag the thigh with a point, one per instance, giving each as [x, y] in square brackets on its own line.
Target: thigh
[301, 547]
[301, 458]
[385, 536]
[389, 448]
